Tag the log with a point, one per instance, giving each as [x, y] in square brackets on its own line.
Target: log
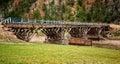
[78, 41]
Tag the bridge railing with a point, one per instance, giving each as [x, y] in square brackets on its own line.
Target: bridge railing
[34, 21]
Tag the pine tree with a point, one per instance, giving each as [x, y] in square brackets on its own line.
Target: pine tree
[115, 13]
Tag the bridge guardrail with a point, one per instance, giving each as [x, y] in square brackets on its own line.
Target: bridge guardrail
[34, 21]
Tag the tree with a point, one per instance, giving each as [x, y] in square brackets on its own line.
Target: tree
[79, 2]
[70, 3]
[18, 11]
[114, 12]
[4, 2]
[99, 12]
[36, 14]
[45, 11]
[81, 13]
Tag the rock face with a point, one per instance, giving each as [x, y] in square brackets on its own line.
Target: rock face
[5, 33]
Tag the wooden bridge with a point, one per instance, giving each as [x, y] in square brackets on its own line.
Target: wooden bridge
[55, 30]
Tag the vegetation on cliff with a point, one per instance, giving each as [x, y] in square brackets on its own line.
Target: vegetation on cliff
[66, 10]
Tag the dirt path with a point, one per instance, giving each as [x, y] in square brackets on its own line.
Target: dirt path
[112, 42]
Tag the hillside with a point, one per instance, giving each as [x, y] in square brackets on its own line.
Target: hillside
[67, 10]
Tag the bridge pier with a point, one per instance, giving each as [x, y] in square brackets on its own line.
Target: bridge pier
[24, 33]
[54, 35]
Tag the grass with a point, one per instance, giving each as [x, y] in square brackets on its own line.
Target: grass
[35, 53]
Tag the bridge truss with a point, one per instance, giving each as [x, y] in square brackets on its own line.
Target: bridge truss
[25, 29]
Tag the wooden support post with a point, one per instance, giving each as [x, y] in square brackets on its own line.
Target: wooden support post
[85, 32]
[100, 33]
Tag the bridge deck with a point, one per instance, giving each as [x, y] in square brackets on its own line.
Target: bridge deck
[22, 23]
[29, 25]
